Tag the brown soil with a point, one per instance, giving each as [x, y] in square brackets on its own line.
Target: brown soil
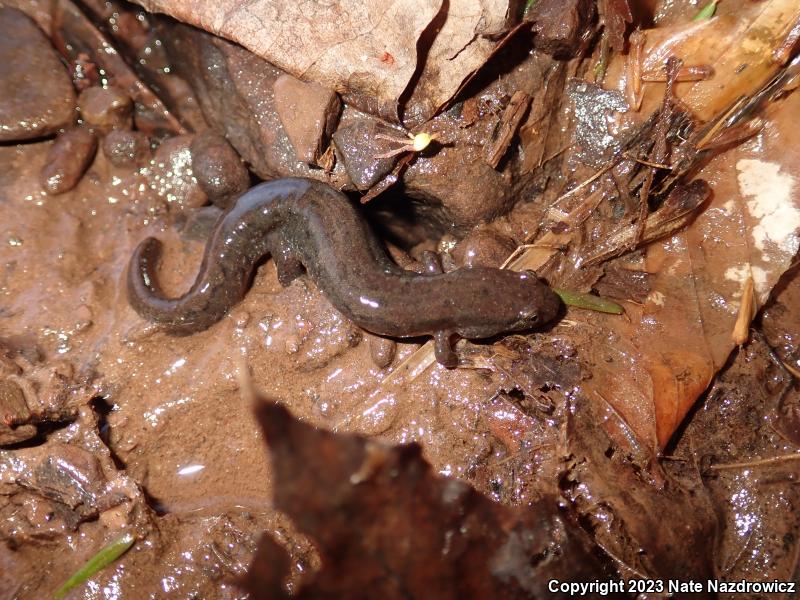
[110, 424]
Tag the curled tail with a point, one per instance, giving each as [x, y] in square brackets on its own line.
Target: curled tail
[214, 292]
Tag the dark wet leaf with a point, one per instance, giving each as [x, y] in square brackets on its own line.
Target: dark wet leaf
[387, 526]
[655, 523]
[750, 467]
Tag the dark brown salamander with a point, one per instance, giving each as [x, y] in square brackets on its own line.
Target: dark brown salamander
[304, 223]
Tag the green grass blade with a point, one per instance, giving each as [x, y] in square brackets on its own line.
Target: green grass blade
[589, 302]
[107, 555]
[707, 11]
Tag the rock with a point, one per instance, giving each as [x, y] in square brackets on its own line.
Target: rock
[218, 168]
[14, 415]
[105, 109]
[483, 248]
[453, 187]
[37, 97]
[71, 475]
[559, 26]
[309, 114]
[172, 174]
[68, 159]
[358, 146]
[66, 474]
[13, 409]
[125, 148]
[235, 90]
[469, 190]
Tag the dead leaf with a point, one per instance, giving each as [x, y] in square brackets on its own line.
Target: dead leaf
[387, 526]
[739, 49]
[749, 471]
[419, 50]
[655, 524]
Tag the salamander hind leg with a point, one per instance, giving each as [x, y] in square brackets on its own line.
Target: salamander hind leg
[382, 350]
[288, 265]
[445, 354]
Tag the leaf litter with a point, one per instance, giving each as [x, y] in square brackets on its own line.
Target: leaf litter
[711, 251]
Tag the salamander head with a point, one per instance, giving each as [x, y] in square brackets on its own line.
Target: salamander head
[542, 304]
[519, 302]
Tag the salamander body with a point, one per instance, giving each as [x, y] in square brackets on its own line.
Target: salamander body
[307, 226]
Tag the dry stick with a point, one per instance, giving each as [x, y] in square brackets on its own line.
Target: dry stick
[633, 68]
[646, 162]
[747, 310]
[690, 73]
[794, 372]
[609, 165]
[509, 123]
[756, 463]
[672, 215]
[659, 152]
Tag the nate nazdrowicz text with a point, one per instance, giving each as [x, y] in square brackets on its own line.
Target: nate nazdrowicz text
[670, 586]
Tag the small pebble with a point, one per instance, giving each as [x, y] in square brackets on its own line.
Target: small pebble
[483, 248]
[218, 169]
[242, 319]
[124, 148]
[382, 350]
[309, 114]
[292, 344]
[172, 176]
[83, 318]
[106, 109]
[67, 161]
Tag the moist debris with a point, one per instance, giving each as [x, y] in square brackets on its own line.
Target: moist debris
[634, 446]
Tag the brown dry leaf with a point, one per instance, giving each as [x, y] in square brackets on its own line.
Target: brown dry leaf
[387, 526]
[739, 49]
[376, 49]
[671, 347]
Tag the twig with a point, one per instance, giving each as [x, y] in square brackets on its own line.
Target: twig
[762, 462]
[509, 123]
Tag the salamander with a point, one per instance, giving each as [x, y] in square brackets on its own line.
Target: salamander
[307, 226]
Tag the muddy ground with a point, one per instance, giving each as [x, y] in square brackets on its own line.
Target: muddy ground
[112, 425]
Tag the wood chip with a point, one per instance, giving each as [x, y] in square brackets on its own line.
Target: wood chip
[509, 123]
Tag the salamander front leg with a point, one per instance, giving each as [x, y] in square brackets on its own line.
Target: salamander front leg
[444, 349]
[288, 265]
